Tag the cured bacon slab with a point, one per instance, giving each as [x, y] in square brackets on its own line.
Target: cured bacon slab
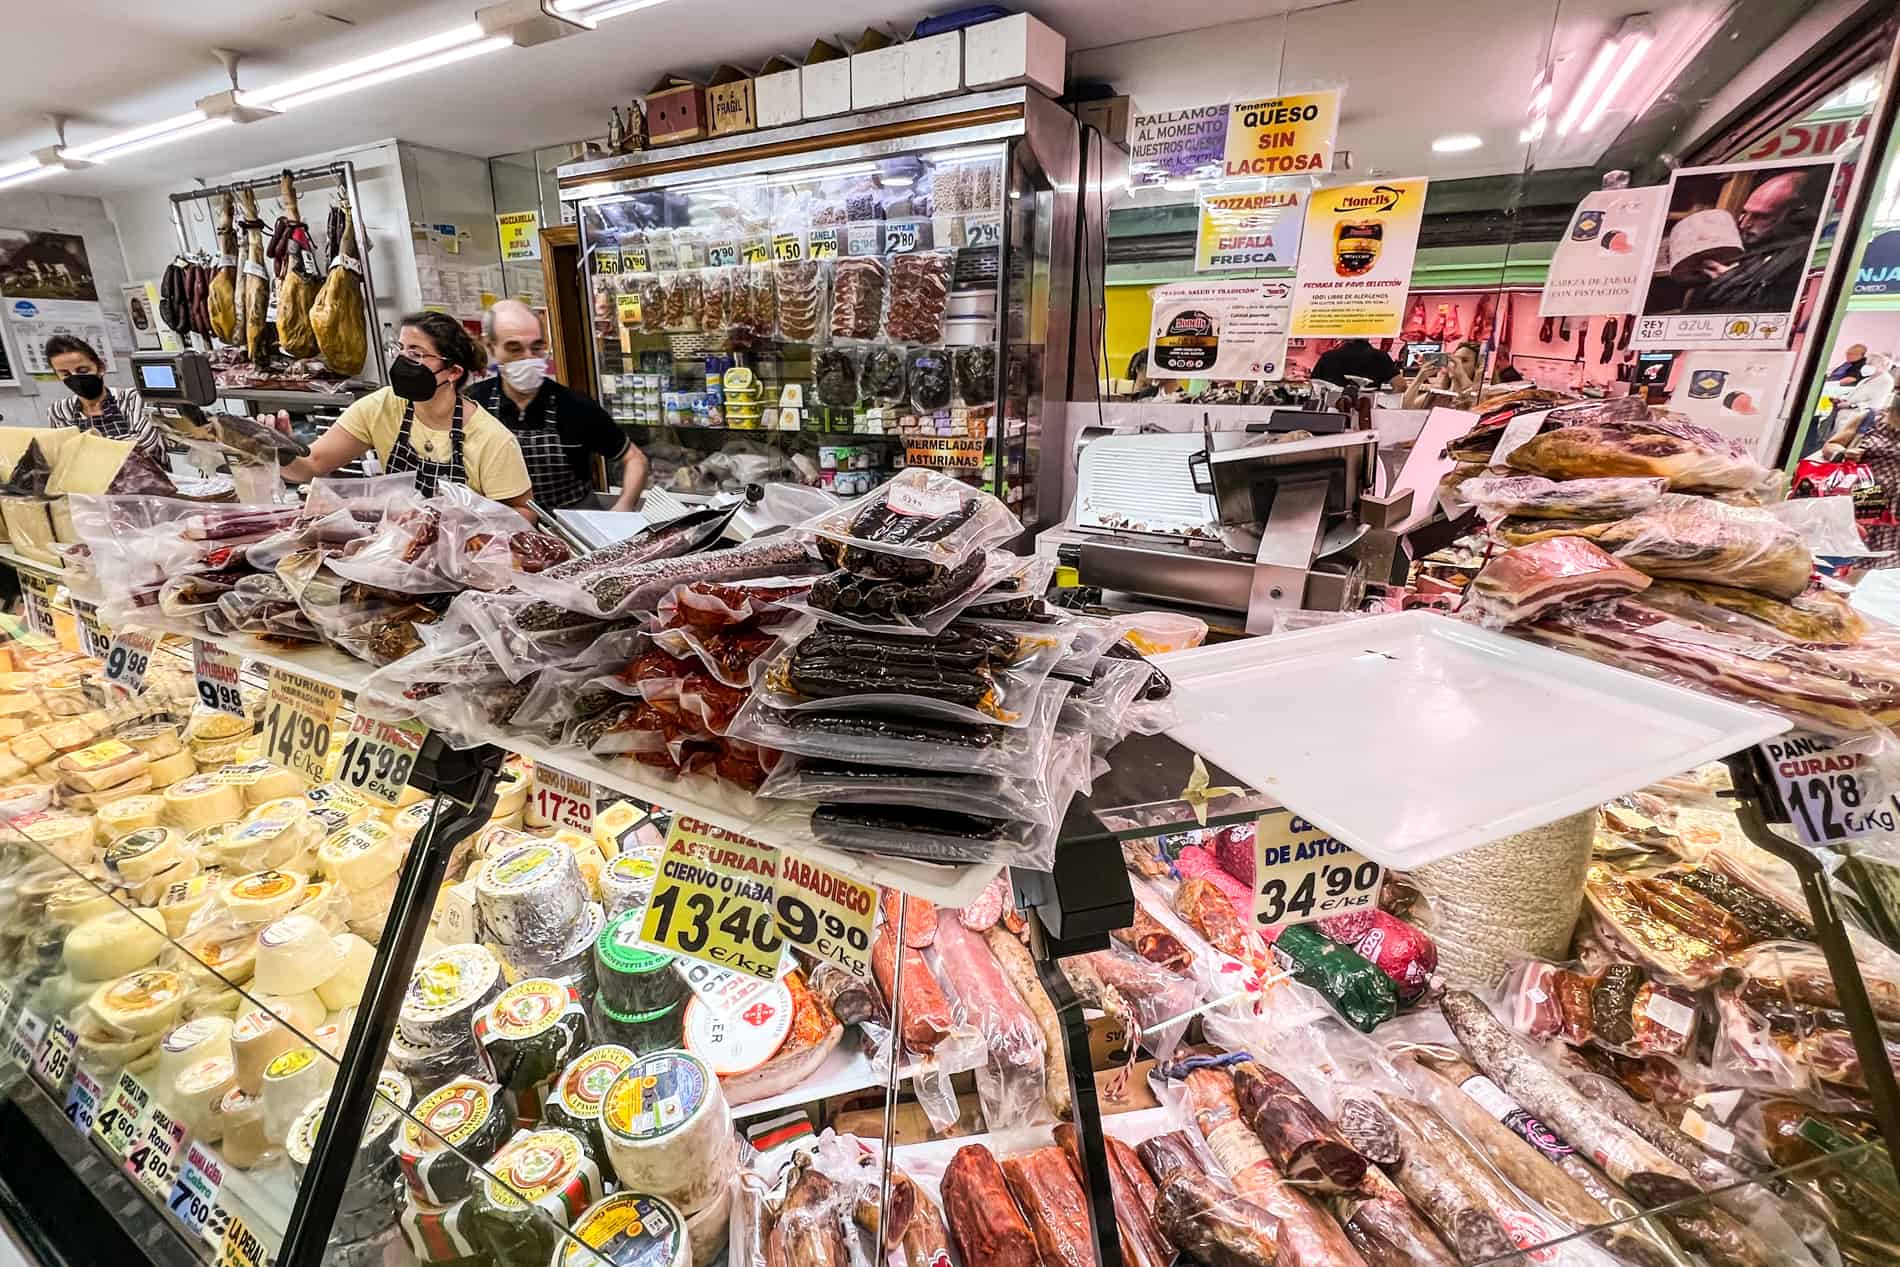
[1057, 1208]
[1528, 581]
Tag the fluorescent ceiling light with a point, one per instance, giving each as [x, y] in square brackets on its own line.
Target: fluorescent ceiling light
[968, 154]
[1456, 144]
[118, 141]
[407, 57]
[1592, 79]
[824, 173]
[601, 10]
[1638, 46]
[448, 57]
[18, 177]
[163, 138]
[1616, 59]
[897, 182]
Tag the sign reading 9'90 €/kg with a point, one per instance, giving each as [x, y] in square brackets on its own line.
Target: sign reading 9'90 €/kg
[713, 899]
[826, 913]
[298, 715]
[1302, 874]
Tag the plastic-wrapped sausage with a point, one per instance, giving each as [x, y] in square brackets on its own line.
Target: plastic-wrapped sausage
[1053, 1201]
[984, 1222]
[924, 1018]
[1010, 1083]
[1212, 1227]
[1302, 1143]
[1134, 1195]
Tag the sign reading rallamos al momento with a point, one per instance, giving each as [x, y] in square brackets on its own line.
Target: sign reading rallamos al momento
[1356, 259]
[1177, 145]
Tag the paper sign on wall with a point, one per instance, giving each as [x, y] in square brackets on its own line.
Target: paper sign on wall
[1282, 136]
[1224, 330]
[520, 235]
[1356, 259]
[1260, 229]
[1735, 393]
[1172, 145]
[1601, 265]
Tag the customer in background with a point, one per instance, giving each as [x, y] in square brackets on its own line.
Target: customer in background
[1142, 389]
[1850, 371]
[422, 423]
[1452, 382]
[559, 430]
[115, 413]
[1356, 358]
[1879, 448]
[1860, 406]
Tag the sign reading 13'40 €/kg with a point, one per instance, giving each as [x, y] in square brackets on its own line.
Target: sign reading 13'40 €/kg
[712, 899]
[298, 715]
[1302, 874]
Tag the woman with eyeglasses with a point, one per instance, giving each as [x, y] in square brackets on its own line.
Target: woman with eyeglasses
[422, 423]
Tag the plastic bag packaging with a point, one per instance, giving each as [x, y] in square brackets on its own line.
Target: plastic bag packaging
[801, 299]
[966, 674]
[976, 375]
[917, 525]
[858, 283]
[1818, 615]
[881, 378]
[1153, 1004]
[919, 291]
[30, 474]
[715, 299]
[1010, 1082]
[483, 544]
[930, 377]
[1687, 455]
[1018, 592]
[1855, 1190]
[560, 700]
[894, 606]
[522, 635]
[727, 654]
[1101, 708]
[1527, 582]
[1619, 1009]
[711, 607]
[800, 778]
[911, 742]
[561, 586]
[834, 376]
[683, 301]
[1700, 539]
[1534, 497]
[400, 555]
[623, 591]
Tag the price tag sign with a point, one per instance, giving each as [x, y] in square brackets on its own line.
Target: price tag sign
[195, 1193]
[864, 238]
[298, 715]
[713, 899]
[1831, 795]
[129, 657]
[788, 248]
[54, 1064]
[379, 755]
[36, 591]
[156, 1150]
[6, 1003]
[634, 259]
[755, 251]
[901, 236]
[722, 254]
[982, 231]
[117, 1126]
[823, 244]
[826, 913]
[240, 1247]
[23, 1042]
[217, 673]
[627, 308]
[564, 799]
[1301, 874]
[82, 1101]
[94, 638]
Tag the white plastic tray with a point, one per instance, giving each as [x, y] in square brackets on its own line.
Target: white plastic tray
[1412, 736]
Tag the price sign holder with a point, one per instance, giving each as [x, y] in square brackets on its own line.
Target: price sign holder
[722, 254]
[94, 638]
[83, 1099]
[826, 913]
[129, 657]
[1302, 874]
[156, 1150]
[36, 592]
[713, 899]
[982, 231]
[564, 799]
[195, 1193]
[23, 1041]
[379, 756]
[217, 673]
[116, 1127]
[298, 716]
[755, 251]
[240, 1246]
[788, 248]
[1830, 795]
[54, 1063]
[823, 243]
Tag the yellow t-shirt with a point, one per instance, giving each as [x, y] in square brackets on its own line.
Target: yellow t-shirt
[490, 451]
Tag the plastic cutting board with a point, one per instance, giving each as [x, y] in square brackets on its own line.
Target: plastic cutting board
[1413, 736]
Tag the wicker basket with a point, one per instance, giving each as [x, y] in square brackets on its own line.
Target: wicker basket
[1501, 902]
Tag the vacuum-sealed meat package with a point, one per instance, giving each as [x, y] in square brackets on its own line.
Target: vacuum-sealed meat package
[918, 525]
[1620, 1009]
[919, 291]
[857, 297]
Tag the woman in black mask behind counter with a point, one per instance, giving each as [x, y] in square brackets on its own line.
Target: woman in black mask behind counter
[422, 423]
[115, 413]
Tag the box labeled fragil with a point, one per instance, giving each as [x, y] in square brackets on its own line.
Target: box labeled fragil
[731, 102]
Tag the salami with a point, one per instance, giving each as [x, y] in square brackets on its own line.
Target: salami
[1014, 1081]
[1440, 1177]
[1150, 939]
[982, 914]
[1209, 913]
[984, 1222]
[1385, 1229]
[924, 1018]
[1020, 970]
[1213, 1228]
[920, 917]
[1302, 1143]
[1053, 1201]
[1134, 1195]
[809, 1230]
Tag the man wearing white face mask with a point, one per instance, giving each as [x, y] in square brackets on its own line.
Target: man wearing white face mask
[559, 430]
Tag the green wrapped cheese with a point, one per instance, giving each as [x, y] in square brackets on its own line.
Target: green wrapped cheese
[633, 979]
[528, 1034]
[537, 1185]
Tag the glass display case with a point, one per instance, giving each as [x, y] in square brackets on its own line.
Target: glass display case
[828, 303]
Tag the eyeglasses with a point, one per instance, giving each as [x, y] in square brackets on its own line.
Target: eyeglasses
[421, 355]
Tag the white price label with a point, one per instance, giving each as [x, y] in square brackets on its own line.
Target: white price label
[1301, 874]
[36, 593]
[82, 1101]
[982, 231]
[195, 1195]
[117, 1126]
[6, 1002]
[129, 657]
[828, 914]
[54, 1064]
[1831, 795]
[94, 638]
[564, 799]
[379, 755]
[901, 236]
[217, 671]
[156, 1148]
[23, 1043]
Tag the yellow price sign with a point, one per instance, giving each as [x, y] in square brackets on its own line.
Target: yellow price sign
[823, 244]
[1282, 136]
[240, 1247]
[755, 251]
[634, 259]
[712, 899]
[299, 714]
[827, 913]
[788, 248]
[627, 307]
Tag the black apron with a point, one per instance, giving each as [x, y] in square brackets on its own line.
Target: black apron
[556, 484]
[404, 456]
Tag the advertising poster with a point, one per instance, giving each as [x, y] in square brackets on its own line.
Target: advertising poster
[1219, 330]
[1880, 266]
[1249, 230]
[1736, 393]
[1356, 259]
[1732, 255]
[1602, 263]
[1177, 145]
[40, 265]
[1282, 136]
[34, 321]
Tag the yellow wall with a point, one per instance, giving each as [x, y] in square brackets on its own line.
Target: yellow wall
[1129, 308]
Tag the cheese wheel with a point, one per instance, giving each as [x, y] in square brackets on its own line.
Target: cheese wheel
[202, 1038]
[362, 856]
[109, 947]
[345, 987]
[294, 954]
[373, 903]
[262, 896]
[612, 822]
[138, 856]
[531, 895]
[304, 1011]
[183, 899]
[494, 839]
[12, 768]
[336, 816]
[155, 739]
[197, 1095]
[200, 800]
[140, 1003]
[455, 1129]
[259, 844]
[100, 766]
[258, 1038]
[24, 798]
[246, 1142]
[326, 902]
[171, 768]
[735, 1045]
[130, 814]
[100, 1049]
[447, 991]
[707, 1228]
[75, 901]
[292, 1080]
[508, 822]
[214, 757]
[208, 841]
[70, 837]
[227, 951]
[134, 787]
[291, 807]
[630, 1227]
[154, 889]
[271, 783]
[668, 1129]
[216, 727]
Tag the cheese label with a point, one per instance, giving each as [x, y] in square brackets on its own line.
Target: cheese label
[100, 754]
[23, 1043]
[828, 914]
[656, 1096]
[54, 1063]
[1302, 874]
[153, 1160]
[289, 1063]
[299, 715]
[629, 1227]
[527, 1009]
[450, 1114]
[536, 1165]
[82, 1101]
[240, 775]
[519, 869]
[740, 1041]
[240, 1247]
[265, 885]
[195, 1192]
[379, 756]
[361, 838]
[135, 845]
[129, 657]
[564, 800]
[143, 991]
[584, 1085]
[116, 1127]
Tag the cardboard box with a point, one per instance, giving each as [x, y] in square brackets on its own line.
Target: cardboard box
[824, 81]
[933, 66]
[730, 103]
[676, 111]
[1015, 50]
[1109, 116]
[776, 95]
[877, 71]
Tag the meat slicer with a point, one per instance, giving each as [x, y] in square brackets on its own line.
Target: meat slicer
[178, 386]
[1236, 525]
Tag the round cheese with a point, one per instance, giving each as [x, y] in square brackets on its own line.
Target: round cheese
[294, 954]
[291, 1081]
[75, 901]
[326, 902]
[109, 947]
[167, 770]
[24, 798]
[260, 844]
[627, 881]
[449, 988]
[198, 1091]
[707, 1227]
[508, 822]
[454, 1129]
[355, 957]
[183, 899]
[262, 896]
[246, 1143]
[408, 823]
[573, 1101]
[154, 889]
[668, 1130]
[101, 1049]
[138, 856]
[257, 1039]
[209, 840]
[131, 813]
[271, 783]
[291, 807]
[199, 1039]
[531, 895]
[733, 1045]
[362, 856]
[227, 951]
[201, 801]
[157, 740]
[629, 1228]
[139, 1003]
[70, 837]
[374, 902]
[612, 822]
[216, 727]
[303, 1011]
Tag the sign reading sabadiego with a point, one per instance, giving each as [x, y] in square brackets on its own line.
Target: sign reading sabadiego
[1282, 136]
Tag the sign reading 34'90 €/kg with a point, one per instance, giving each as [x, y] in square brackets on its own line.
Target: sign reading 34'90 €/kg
[1302, 874]
[298, 715]
[713, 899]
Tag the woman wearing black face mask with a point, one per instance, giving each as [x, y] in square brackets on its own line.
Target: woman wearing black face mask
[421, 422]
[115, 414]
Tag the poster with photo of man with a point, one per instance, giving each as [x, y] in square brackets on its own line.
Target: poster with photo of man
[1733, 255]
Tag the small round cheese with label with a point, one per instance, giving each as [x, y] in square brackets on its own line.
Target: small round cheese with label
[262, 896]
[294, 954]
[362, 856]
[139, 1003]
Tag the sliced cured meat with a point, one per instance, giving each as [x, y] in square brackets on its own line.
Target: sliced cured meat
[1700, 539]
[1053, 1201]
[1526, 582]
[1814, 616]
